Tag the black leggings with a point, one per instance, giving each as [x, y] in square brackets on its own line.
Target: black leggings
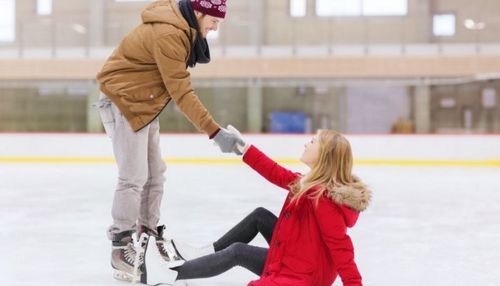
[232, 249]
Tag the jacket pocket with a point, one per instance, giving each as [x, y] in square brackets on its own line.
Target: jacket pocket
[107, 117]
[146, 94]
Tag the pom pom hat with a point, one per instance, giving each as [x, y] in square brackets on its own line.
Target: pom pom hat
[216, 8]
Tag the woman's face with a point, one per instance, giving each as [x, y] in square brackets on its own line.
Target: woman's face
[311, 152]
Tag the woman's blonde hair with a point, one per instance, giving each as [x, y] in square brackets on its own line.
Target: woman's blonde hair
[333, 167]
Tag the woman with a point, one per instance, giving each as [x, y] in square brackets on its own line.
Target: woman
[308, 243]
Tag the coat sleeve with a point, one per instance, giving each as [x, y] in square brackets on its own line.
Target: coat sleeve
[334, 233]
[269, 169]
[170, 54]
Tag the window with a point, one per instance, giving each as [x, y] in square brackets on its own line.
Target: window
[361, 7]
[44, 7]
[298, 8]
[338, 7]
[444, 25]
[7, 20]
[385, 7]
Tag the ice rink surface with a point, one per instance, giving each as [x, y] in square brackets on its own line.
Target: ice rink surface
[425, 226]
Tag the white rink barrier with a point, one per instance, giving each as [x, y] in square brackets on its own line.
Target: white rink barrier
[410, 150]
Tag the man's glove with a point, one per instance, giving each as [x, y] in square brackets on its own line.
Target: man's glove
[228, 141]
[241, 145]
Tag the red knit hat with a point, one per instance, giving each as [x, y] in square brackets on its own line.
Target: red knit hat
[216, 8]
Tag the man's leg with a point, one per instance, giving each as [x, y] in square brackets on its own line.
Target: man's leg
[131, 154]
[130, 150]
[153, 189]
[250, 257]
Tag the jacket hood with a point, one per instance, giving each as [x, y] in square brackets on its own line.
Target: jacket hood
[353, 198]
[165, 12]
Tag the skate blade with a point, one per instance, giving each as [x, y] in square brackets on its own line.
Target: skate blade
[124, 276]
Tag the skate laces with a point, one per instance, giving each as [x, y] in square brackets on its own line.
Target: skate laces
[137, 251]
[131, 254]
[167, 248]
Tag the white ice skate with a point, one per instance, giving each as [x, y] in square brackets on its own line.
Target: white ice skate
[189, 252]
[167, 249]
[157, 271]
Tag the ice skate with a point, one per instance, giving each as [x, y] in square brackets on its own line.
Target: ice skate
[167, 249]
[189, 252]
[126, 258]
[156, 271]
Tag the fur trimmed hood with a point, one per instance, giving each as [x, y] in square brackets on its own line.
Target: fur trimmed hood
[355, 195]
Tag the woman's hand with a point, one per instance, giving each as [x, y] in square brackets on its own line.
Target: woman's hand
[241, 145]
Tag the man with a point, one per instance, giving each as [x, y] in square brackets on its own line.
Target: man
[145, 72]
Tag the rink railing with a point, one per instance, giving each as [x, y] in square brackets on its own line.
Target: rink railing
[423, 49]
[368, 150]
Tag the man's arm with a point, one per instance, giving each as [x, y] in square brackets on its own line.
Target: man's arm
[170, 54]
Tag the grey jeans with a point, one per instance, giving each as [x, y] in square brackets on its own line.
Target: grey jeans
[141, 170]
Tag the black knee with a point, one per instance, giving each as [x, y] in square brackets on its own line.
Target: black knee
[237, 250]
[260, 211]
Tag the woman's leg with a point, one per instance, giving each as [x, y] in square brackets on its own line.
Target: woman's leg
[238, 254]
[259, 221]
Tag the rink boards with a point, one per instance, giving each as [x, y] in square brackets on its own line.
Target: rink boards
[392, 150]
